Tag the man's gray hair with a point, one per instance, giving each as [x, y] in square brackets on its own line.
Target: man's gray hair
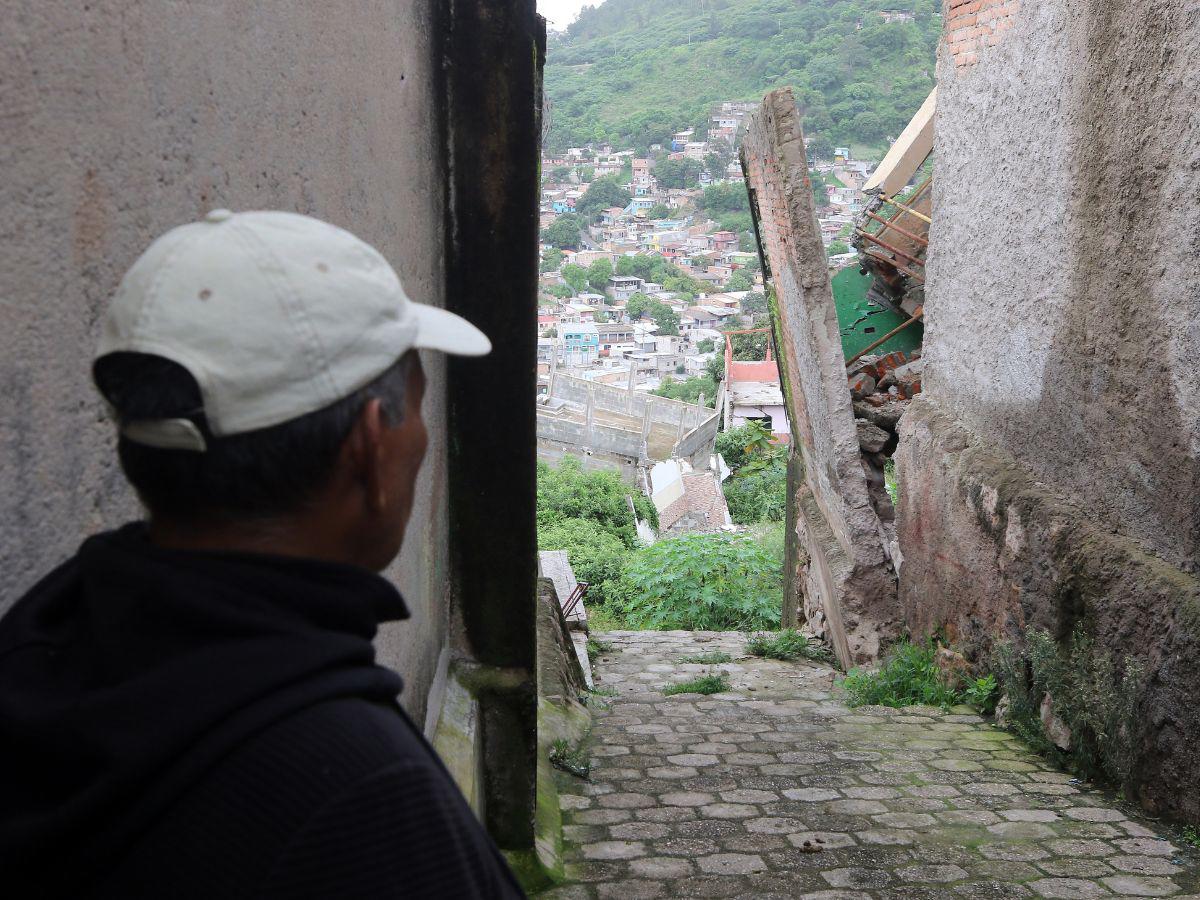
[256, 475]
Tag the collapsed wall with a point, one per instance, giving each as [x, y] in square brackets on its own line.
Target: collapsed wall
[1048, 471]
[848, 583]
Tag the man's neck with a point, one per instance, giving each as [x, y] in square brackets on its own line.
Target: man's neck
[278, 537]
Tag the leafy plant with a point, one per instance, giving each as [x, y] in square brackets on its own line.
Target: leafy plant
[712, 658]
[788, 644]
[983, 693]
[1191, 835]
[595, 553]
[890, 482]
[909, 676]
[703, 582]
[709, 683]
[596, 647]
[570, 759]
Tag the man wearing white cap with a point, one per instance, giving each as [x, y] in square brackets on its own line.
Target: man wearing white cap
[190, 707]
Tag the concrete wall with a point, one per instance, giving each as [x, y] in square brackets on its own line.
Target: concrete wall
[1048, 471]
[122, 119]
[849, 585]
[634, 403]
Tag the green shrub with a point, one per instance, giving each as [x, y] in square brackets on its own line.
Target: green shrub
[983, 693]
[1191, 835]
[908, 677]
[759, 496]
[739, 445]
[567, 492]
[705, 684]
[702, 582]
[596, 555]
[788, 644]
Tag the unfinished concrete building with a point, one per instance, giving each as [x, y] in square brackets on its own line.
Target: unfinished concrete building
[1047, 470]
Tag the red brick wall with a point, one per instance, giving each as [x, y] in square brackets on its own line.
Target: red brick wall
[974, 25]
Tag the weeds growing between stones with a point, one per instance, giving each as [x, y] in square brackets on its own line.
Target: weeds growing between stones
[709, 683]
[786, 645]
[909, 676]
[573, 760]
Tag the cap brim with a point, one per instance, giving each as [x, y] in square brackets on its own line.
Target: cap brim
[438, 329]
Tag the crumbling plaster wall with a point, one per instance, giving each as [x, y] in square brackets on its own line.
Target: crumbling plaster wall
[122, 119]
[1048, 472]
[849, 583]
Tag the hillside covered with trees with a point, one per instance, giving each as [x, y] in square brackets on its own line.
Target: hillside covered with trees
[632, 72]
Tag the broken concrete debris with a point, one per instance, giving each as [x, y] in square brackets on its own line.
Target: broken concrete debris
[871, 438]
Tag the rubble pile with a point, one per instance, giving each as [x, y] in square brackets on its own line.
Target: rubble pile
[881, 388]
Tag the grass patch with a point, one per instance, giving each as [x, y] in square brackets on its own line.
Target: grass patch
[788, 644]
[716, 656]
[1191, 836]
[908, 677]
[706, 684]
[890, 482]
[596, 647]
[570, 759]
[602, 617]
[605, 691]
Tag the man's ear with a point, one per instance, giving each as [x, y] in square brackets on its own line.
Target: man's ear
[365, 446]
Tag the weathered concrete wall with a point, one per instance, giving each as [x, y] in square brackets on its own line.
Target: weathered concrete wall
[849, 585]
[1048, 472]
[633, 403]
[122, 119]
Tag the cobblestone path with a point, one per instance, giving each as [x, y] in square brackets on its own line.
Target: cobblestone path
[776, 789]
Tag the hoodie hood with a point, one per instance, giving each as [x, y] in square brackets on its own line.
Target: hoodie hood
[127, 672]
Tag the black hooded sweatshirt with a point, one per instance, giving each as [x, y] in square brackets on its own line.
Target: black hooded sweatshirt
[213, 725]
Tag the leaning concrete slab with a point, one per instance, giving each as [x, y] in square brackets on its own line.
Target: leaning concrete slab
[849, 584]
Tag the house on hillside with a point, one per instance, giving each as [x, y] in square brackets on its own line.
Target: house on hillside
[622, 287]
[580, 343]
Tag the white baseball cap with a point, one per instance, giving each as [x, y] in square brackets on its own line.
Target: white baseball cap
[274, 314]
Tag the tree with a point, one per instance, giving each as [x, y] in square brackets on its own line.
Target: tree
[715, 368]
[819, 191]
[586, 174]
[563, 232]
[602, 194]
[706, 346]
[659, 211]
[560, 174]
[678, 173]
[552, 259]
[637, 305]
[575, 276]
[561, 291]
[724, 198]
[754, 304]
[689, 391]
[820, 147]
[837, 247]
[598, 274]
[665, 317]
[738, 282]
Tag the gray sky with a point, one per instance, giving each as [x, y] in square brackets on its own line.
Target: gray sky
[561, 13]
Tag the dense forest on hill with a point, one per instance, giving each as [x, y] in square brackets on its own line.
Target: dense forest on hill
[634, 71]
